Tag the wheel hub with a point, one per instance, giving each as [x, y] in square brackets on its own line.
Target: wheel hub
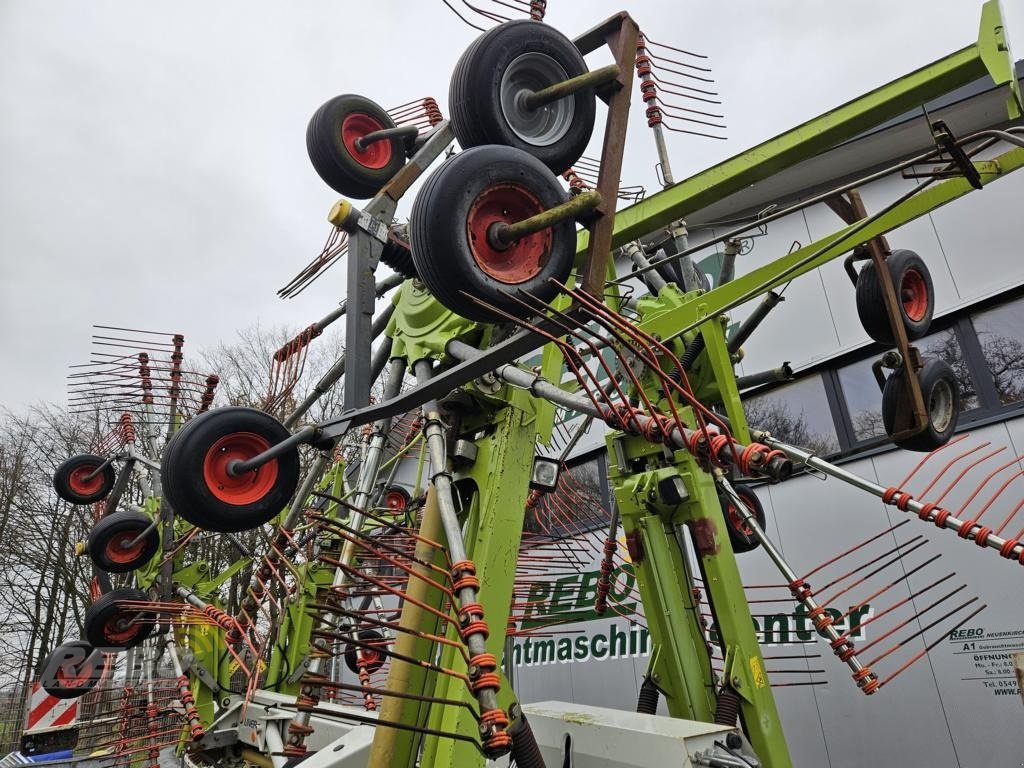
[354, 127]
[940, 406]
[121, 549]
[247, 487]
[543, 126]
[81, 483]
[507, 204]
[914, 295]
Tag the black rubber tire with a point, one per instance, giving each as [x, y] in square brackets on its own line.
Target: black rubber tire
[351, 652]
[184, 482]
[397, 254]
[742, 538]
[441, 246]
[474, 95]
[332, 159]
[77, 658]
[108, 607]
[941, 394]
[64, 479]
[906, 268]
[120, 527]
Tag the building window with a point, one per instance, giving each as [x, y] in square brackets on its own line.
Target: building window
[863, 399]
[1000, 333]
[946, 346]
[796, 413]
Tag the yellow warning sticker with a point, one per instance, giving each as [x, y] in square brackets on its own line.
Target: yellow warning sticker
[757, 672]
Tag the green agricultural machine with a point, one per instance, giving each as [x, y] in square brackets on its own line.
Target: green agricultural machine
[398, 536]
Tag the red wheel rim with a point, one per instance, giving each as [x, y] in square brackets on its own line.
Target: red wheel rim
[914, 295]
[81, 484]
[523, 259]
[357, 125]
[119, 548]
[120, 628]
[371, 661]
[71, 675]
[248, 487]
[395, 500]
[737, 521]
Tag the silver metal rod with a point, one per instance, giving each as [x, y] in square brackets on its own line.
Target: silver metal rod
[654, 281]
[913, 506]
[369, 469]
[776, 557]
[433, 431]
[337, 370]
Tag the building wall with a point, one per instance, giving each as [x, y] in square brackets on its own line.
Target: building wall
[958, 706]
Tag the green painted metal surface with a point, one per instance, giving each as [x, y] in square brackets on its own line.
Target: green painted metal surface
[989, 56]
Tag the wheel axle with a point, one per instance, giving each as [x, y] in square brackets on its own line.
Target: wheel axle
[595, 79]
[502, 235]
[303, 436]
[407, 133]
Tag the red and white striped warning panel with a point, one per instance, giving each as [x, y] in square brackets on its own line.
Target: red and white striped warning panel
[45, 711]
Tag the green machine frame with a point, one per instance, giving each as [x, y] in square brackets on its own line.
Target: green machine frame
[680, 666]
[508, 421]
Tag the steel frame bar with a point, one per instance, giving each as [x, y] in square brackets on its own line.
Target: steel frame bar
[365, 246]
[770, 276]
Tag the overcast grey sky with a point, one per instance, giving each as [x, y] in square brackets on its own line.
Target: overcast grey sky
[153, 170]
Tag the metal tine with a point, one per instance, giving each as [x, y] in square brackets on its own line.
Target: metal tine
[686, 92]
[568, 328]
[682, 388]
[677, 50]
[855, 548]
[133, 330]
[896, 557]
[97, 338]
[334, 248]
[923, 652]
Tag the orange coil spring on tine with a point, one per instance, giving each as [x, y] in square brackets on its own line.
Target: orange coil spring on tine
[191, 713]
[576, 184]
[127, 428]
[537, 9]
[499, 740]
[364, 679]
[145, 376]
[433, 111]
[225, 622]
[423, 113]
[211, 387]
[648, 87]
[604, 583]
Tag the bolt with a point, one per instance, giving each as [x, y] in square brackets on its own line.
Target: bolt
[733, 741]
[736, 682]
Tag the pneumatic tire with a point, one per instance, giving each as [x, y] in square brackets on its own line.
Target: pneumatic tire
[941, 394]
[72, 483]
[452, 215]
[499, 67]
[331, 143]
[71, 670]
[116, 621]
[741, 535]
[195, 475]
[123, 541]
[914, 291]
